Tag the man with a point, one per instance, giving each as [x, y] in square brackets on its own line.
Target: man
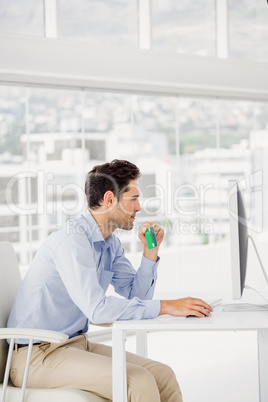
[64, 290]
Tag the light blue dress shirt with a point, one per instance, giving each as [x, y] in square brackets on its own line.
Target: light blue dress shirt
[64, 288]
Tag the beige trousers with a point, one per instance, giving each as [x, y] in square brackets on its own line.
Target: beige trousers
[80, 364]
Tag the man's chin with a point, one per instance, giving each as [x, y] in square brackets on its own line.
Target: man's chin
[128, 226]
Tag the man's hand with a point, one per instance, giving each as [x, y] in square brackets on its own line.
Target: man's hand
[159, 233]
[184, 307]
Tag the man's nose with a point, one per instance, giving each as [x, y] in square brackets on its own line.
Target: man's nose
[137, 206]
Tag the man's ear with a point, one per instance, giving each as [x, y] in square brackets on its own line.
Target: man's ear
[109, 199]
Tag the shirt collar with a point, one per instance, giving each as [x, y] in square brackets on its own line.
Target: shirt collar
[95, 230]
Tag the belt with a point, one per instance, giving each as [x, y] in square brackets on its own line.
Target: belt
[20, 345]
[23, 345]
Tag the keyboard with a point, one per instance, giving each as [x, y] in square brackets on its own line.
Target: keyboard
[214, 302]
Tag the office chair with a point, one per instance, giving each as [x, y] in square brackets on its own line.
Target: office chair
[10, 280]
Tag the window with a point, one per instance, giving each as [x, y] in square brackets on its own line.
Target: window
[184, 27]
[248, 29]
[186, 148]
[22, 17]
[102, 22]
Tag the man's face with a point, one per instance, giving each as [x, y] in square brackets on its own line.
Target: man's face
[124, 212]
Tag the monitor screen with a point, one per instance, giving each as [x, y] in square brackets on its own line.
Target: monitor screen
[238, 239]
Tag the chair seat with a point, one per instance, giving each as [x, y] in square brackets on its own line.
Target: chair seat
[51, 395]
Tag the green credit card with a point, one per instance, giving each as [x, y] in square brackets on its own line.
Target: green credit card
[150, 238]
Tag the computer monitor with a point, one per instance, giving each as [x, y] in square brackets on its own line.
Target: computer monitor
[238, 239]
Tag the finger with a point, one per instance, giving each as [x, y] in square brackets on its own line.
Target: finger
[157, 228]
[200, 306]
[207, 306]
[202, 310]
[205, 312]
[143, 228]
[159, 231]
[202, 303]
[146, 225]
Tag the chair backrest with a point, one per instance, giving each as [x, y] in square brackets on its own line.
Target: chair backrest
[10, 280]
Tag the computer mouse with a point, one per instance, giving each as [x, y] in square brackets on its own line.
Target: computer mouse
[199, 317]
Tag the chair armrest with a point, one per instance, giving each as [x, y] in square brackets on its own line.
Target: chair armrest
[43, 335]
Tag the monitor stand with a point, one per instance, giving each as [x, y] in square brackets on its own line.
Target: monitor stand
[236, 307]
[249, 306]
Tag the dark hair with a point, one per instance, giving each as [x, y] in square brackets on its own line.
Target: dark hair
[114, 176]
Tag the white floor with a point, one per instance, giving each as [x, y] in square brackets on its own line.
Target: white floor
[210, 367]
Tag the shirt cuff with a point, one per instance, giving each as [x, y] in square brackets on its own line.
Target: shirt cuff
[152, 308]
[149, 264]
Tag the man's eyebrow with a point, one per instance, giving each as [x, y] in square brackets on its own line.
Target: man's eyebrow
[133, 196]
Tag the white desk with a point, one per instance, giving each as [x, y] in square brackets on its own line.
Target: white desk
[219, 321]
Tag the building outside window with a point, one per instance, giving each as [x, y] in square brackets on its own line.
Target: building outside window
[186, 148]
